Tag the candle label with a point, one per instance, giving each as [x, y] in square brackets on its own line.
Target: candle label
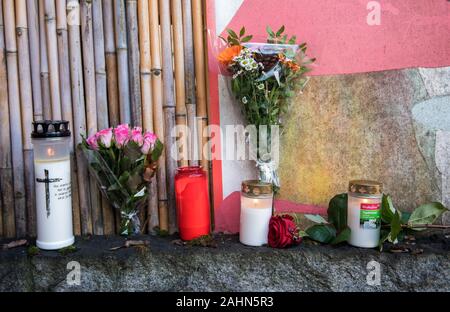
[370, 216]
[53, 186]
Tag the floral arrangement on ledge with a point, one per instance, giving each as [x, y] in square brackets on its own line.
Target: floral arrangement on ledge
[264, 77]
[284, 230]
[123, 160]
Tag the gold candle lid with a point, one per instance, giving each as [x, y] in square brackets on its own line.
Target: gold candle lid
[365, 187]
[256, 188]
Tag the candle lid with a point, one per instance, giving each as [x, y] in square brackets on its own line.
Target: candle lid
[50, 129]
[365, 187]
[256, 188]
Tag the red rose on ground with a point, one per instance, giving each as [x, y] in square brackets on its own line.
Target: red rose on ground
[283, 232]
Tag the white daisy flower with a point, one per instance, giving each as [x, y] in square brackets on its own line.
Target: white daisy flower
[260, 86]
[244, 63]
[244, 100]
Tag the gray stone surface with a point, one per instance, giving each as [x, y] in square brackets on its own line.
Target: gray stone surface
[356, 126]
[431, 120]
[437, 80]
[230, 267]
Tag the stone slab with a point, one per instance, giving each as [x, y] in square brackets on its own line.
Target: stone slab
[229, 267]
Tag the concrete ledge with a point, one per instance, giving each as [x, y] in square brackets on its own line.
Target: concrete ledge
[165, 266]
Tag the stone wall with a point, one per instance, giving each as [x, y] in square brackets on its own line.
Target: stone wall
[361, 126]
[165, 266]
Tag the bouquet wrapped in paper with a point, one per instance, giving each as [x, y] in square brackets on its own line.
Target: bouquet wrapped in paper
[264, 77]
[123, 161]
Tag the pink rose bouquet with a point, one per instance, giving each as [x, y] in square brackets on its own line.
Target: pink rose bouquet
[123, 160]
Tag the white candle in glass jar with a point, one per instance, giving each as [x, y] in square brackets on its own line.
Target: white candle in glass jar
[51, 142]
[256, 211]
[364, 213]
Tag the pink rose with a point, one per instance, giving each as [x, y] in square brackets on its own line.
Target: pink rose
[105, 137]
[136, 136]
[149, 142]
[121, 135]
[92, 142]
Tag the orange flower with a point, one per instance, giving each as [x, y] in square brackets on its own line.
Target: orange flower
[228, 54]
[293, 66]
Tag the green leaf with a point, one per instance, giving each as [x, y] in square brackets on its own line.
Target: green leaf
[270, 31]
[157, 151]
[396, 228]
[316, 219]
[337, 211]
[280, 31]
[246, 38]
[293, 40]
[242, 32]
[405, 217]
[387, 209]
[384, 237]
[125, 164]
[344, 236]
[302, 234]
[234, 42]
[123, 179]
[322, 233]
[426, 214]
[232, 33]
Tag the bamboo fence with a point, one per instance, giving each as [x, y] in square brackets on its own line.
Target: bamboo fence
[99, 63]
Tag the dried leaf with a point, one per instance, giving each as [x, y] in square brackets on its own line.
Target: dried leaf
[15, 244]
[417, 251]
[132, 243]
[178, 242]
[136, 243]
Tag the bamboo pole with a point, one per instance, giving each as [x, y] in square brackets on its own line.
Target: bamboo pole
[169, 108]
[178, 47]
[146, 95]
[122, 69]
[111, 71]
[63, 57]
[6, 176]
[79, 113]
[155, 47]
[100, 66]
[133, 54]
[102, 96]
[45, 77]
[200, 70]
[89, 67]
[134, 74]
[190, 82]
[26, 102]
[66, 99]
[52, 56]
[111, 63]
[33, 37]
[15, 117]
[122, 61]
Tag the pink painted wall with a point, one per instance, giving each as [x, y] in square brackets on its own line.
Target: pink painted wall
[412, 33]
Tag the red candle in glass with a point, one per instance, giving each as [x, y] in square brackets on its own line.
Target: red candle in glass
[193, 212]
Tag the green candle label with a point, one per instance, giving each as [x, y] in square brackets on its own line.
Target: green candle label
[370, 216]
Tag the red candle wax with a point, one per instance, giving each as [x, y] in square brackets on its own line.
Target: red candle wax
[193, 212]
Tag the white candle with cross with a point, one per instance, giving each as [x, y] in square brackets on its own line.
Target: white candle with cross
[53, 186]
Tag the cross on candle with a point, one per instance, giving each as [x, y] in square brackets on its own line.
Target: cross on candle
[47, 182]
